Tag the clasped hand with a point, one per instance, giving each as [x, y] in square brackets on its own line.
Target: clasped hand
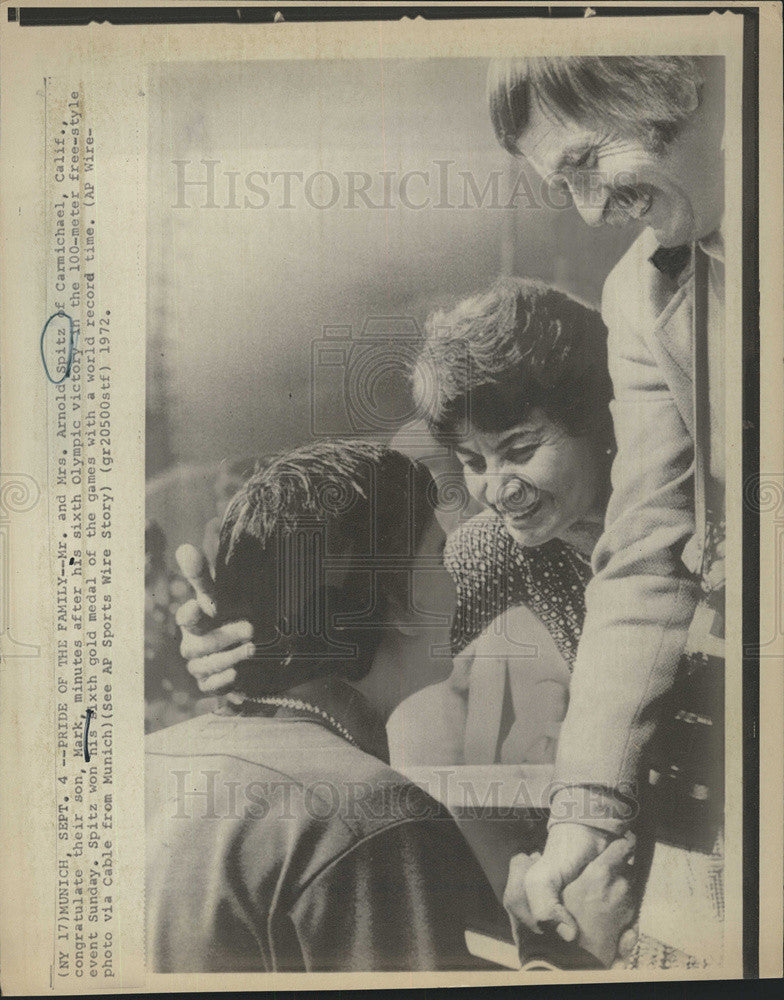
[582, 885]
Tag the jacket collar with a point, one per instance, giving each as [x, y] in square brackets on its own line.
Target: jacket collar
[672, 261]
[339, 700]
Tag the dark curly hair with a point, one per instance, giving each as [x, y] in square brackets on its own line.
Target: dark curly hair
[501, 353]
[301, 546]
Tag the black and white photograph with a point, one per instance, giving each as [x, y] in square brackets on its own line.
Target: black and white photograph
[392, 496]
[434, 550]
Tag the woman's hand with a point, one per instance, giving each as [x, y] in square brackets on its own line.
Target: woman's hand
[212, 650]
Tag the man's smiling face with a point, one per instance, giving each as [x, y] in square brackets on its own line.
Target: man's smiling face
[615, 179]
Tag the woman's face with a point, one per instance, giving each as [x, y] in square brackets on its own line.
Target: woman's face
[537, 476]
[677, 192]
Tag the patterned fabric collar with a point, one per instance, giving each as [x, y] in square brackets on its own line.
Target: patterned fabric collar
[338, 701]
[492, 574]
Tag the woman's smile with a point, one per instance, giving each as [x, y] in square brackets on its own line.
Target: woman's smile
[537, 477]
[518, 499]
[523, 519]
[537, 525]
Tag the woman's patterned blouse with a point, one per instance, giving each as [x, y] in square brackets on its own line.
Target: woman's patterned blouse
[492, 573]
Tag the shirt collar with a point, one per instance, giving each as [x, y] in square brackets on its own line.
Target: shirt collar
[671, 260]
[337, 699]
[713, 244]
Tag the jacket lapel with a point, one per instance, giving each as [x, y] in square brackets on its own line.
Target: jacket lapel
[670, 338]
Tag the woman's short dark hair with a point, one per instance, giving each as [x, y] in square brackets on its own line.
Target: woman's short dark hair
[647, 97]
[358, 507]
[519, 346]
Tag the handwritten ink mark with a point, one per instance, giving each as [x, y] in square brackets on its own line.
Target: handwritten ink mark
[85, 748]
[72, 339]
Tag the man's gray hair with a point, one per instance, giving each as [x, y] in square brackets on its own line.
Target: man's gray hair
[647, 97]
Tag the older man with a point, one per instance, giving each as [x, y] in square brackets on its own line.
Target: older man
[635, 139]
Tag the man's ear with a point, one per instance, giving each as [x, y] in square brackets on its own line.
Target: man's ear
[692, 90]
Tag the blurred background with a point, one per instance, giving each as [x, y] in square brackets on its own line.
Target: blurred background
[300, 211]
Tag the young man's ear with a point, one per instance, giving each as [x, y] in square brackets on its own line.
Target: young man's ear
[398, 615]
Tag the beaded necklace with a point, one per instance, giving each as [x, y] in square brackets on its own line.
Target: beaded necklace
[305, 706]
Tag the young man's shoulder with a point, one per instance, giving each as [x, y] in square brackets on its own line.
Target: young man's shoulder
[297, 829]
[299, 771]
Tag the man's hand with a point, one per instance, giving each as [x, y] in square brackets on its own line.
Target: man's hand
[603, 903]
[213, 651]
[600, 900]
[533, 893]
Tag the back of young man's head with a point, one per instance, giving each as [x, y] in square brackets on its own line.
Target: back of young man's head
[314, 550]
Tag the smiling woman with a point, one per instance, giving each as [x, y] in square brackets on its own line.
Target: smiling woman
[539, 478]
[516, 380]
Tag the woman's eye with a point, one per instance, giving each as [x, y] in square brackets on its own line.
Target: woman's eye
[585, 159]
[522, 454]
[472, 464]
